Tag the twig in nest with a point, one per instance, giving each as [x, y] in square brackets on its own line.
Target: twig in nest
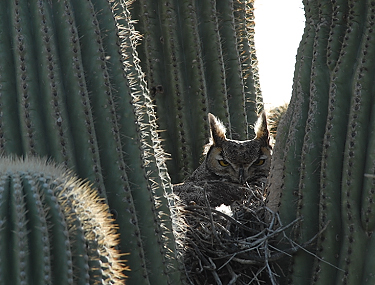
[238, 249]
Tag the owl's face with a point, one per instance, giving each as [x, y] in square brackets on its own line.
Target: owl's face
[239, 161]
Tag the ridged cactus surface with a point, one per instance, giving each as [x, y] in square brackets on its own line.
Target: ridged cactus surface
[323, 164]
[199, 57]
[71, 89]
[54, 229]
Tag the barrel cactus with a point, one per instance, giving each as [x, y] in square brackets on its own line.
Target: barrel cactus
[54, 229]
[323, 163]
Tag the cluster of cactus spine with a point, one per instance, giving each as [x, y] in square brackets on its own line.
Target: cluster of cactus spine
[54, 229]
[198, 57]
[323, 164]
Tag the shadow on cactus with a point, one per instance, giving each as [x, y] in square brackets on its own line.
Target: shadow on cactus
[54, 228]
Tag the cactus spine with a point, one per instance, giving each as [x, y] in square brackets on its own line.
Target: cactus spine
[323, 164]
[54, 228]
[198, 56]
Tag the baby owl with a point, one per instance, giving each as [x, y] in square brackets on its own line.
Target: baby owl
[228, 166]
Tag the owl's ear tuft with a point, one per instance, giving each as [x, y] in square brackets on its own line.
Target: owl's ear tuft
[217, 130]
[260, 128]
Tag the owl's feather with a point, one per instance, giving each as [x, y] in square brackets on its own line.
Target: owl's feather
[217, 130]
[229, 166]
[260, 128]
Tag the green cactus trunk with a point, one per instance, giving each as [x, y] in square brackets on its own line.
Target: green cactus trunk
[54, 229]
[323, 164]
[198, 57]
[71, 89]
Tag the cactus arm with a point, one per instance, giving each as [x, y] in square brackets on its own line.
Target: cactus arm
[234, 79]
[10, 139]
[26, 81]
[213, 60]
[80, 115]
[58, 136]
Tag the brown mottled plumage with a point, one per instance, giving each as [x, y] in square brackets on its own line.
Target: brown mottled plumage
[229, 166]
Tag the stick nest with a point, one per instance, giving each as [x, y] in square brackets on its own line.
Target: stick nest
[232, 248]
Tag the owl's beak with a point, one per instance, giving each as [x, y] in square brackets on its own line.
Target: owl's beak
[241, 175]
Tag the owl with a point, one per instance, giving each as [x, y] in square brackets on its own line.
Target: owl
[229, 167]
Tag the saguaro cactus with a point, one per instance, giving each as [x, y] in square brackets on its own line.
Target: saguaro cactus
[71, 89]
[198, 57]
[323, 165]
[54, 229]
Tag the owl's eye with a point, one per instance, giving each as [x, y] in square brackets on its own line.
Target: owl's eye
[223, 162]
[259, 162]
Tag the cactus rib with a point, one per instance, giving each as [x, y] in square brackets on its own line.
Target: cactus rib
[38, 225]
[58, 135]
[354, 236]
[194, 81]
[26, 80]
[213, 60]
[234, 78]
[9, 120]
[308, 203]
[80, 115]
